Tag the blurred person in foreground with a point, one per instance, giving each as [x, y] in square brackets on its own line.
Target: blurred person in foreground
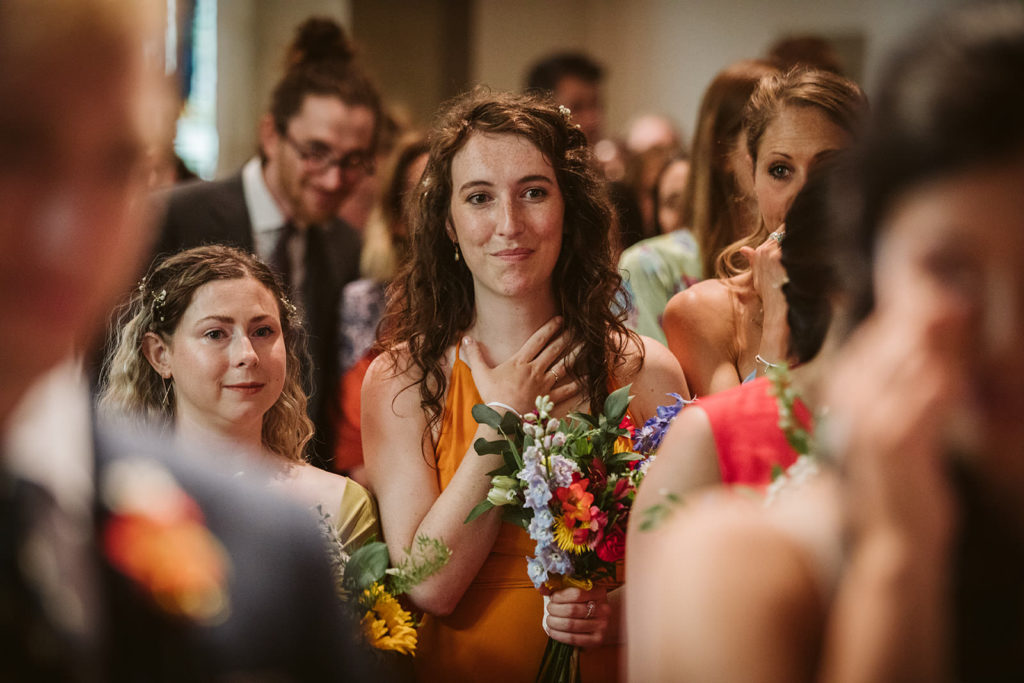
[317, 141]
[119, 559]
[902, 560]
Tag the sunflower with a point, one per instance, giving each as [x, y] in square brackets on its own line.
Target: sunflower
[563, 537]
[386, 625]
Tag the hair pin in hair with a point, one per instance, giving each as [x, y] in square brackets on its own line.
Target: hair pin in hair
[142, 284]
[288, 305]
[565, 112]
[158, 303]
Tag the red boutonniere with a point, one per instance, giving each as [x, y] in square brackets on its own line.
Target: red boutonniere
[156, 536]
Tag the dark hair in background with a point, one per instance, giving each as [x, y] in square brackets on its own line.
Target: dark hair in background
[809, 250]
[321, 61]
[431, 301]
[952, 101]
[712, 196]
[546, 73]
[673, 158]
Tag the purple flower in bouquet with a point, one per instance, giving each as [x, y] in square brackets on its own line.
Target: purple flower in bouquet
[648, 438]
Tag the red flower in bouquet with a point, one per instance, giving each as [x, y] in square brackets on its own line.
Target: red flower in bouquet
[612, 547]
[576, 501]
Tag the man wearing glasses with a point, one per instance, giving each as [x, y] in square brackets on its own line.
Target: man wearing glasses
[317, 142]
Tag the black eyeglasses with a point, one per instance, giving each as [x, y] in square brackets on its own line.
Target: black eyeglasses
[319, 159]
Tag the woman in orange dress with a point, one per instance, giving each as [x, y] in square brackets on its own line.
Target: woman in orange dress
[507, 297]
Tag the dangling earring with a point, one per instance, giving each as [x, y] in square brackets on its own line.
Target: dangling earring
[456, 252]
[167, 393]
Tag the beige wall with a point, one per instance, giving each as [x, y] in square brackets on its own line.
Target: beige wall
[660, 54]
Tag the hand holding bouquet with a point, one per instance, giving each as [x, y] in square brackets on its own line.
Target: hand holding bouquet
[571, 484]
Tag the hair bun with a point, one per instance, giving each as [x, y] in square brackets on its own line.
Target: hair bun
[319, 39]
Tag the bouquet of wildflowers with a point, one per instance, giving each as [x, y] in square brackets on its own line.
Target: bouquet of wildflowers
[571, 484]
[370, 587]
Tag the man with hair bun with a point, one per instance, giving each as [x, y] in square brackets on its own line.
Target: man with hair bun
[317, 141]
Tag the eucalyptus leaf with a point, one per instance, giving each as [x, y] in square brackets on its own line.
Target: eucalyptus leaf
[616, 403]
[367, 565]
[481, 507]
[486, 415]
[485, 447]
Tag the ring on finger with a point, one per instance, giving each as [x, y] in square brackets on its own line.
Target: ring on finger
[555, 373]
[590, 609]
[777, 236]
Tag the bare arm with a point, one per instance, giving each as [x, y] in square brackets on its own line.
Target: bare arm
[728, 598]
[701, 335]
[400, 461]
[768, 278]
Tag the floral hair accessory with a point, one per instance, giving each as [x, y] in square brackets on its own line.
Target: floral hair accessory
[159, 299]
[565, 112]
[288, 305]
[155, 535]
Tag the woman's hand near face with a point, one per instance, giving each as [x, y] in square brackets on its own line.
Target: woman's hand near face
[768, 277]
[894, 396]
[537, 369]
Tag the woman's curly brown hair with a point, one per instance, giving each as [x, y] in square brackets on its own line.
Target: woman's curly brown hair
[131, 385]
[431, 302]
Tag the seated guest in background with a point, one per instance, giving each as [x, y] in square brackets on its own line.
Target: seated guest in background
[385, 250]
[716, 206]
[507, 296]
[728, 330]
[316, 142]
[643, 169]
[903, 562]
[120, 559]
[209, 342]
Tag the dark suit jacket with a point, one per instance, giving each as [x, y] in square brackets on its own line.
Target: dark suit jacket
[285, 623]
[215, 213]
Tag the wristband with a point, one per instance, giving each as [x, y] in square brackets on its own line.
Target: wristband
[499, 404]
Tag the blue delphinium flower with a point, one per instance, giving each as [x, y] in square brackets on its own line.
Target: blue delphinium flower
[648, 438]
[535, 570]
[540, 527]
[554, 559]
[562, 469]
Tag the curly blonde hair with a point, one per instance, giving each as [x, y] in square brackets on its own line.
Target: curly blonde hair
[130, 385]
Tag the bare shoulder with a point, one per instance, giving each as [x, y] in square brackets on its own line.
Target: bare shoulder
[744, 602]
[393, 379]
[704, 307]
[653, 373]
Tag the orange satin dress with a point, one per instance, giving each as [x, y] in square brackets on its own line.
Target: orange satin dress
[495, 633]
